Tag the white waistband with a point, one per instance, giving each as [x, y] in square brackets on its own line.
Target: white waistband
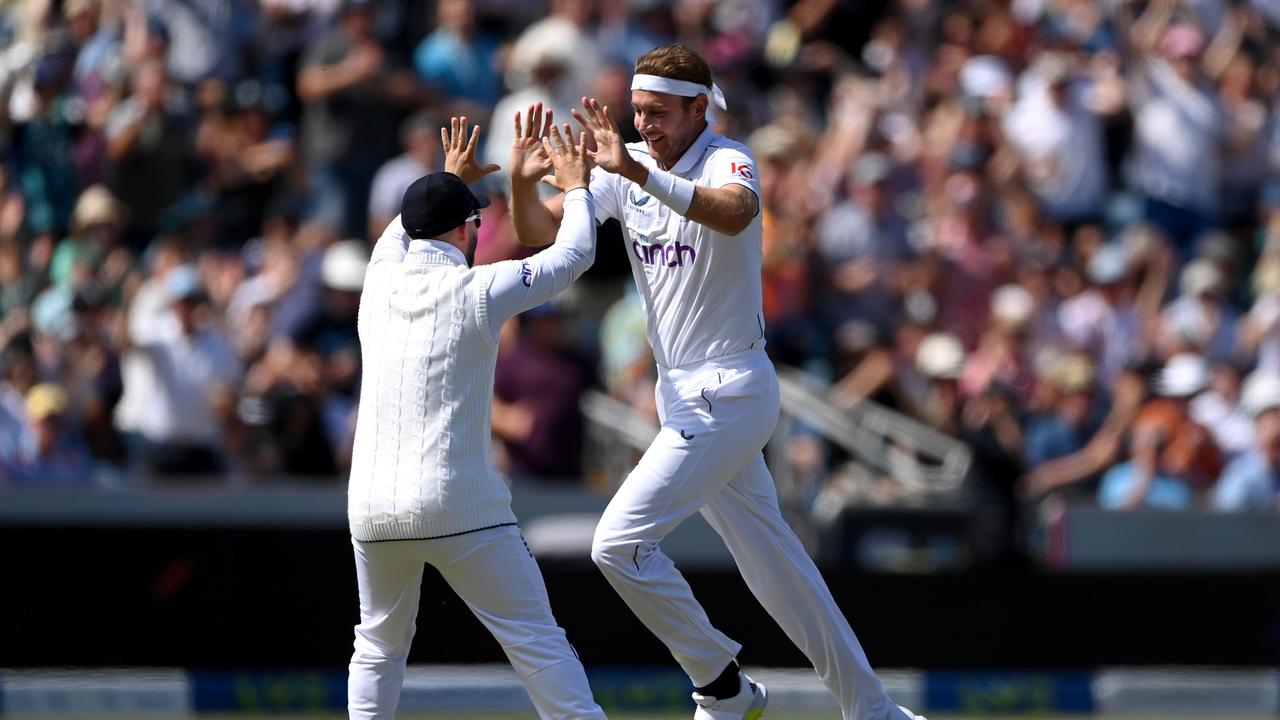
[741, 360]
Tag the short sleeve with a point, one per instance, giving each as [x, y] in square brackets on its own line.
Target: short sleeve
[732, 166]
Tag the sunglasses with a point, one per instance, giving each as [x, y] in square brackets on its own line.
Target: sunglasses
[475, 217]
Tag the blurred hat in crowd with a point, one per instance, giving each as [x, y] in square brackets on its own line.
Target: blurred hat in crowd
[870, 169]
[1073, 373]
[1200, 277]
[71, 8]
[1184, 375]
[985, 76]
[344, 265]
[1140, 239]
[1182, 40]
[1260, 393]
[1012, 306]
[545, 45]
[920, 308]
[46, 400]
[856, 336]
[89, 298]
[96, 206]
[158, 28]
[774, 142]
[1109, 264]
[1217, 246]
[254, 95]
[184, 283]
[1052, 68]
[940, 356]
[1266, 278]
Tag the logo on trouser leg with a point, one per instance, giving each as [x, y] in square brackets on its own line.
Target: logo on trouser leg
[686, 436]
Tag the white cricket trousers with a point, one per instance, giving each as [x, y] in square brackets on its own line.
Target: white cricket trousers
[716, 417]
[496, 576]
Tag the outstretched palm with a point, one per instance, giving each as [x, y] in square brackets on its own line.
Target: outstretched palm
[529, 162]
[610, 153]
[460, 151]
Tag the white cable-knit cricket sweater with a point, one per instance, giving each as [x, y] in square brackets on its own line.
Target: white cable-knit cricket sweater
[428, 328]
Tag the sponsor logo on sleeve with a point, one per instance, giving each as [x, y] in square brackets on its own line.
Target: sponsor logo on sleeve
[742, 170]
[526, 273]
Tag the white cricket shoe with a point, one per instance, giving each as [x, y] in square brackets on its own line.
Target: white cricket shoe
[748, 704]
[911, 715]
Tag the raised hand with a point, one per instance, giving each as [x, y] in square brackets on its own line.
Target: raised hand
[460, 151]
[572, 162]
[611, 152]
[529, 161]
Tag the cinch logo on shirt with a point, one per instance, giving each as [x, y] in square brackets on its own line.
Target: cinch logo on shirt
[671, 255]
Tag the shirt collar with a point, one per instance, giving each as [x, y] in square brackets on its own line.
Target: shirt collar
[436, 248]
[694, 153]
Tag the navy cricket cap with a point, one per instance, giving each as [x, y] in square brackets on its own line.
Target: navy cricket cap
[437, 203]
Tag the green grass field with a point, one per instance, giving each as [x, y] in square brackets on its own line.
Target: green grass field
[767, 716]
[629, 716]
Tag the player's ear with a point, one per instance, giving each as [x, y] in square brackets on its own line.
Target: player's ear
[700, 106]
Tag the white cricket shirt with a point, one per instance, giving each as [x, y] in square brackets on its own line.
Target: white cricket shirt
[429, 329]
[700, 288]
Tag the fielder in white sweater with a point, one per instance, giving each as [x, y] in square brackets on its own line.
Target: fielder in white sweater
[422, 487]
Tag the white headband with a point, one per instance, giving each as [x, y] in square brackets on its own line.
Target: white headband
[683, 88]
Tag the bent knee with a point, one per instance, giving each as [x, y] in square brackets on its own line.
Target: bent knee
[609, 551]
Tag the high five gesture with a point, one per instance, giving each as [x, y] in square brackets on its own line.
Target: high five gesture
[611, 152]
[529, 162]
[572, 162]
[460, 151]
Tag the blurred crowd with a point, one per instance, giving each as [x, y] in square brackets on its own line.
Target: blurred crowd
[1049, 228]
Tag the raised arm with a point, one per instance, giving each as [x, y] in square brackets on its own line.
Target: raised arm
[518, 285]
[535, 223]
[728, 208]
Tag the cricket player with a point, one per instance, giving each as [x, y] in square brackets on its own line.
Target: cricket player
[690, 202]
[422, 487]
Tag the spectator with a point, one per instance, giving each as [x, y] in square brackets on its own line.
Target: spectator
[347, 83]
[191, 370]
[538, 71]
[51, 454]
[420, 137]
[460, 58]
[1199, 320]
[1252, 481]
[1055, 128]
[538, 385]
[1104, 320]
[150, 153]
[1172, 457]
[42, 149]
[862, 241]
[1179, 126]
[940, 359]
[1220, 409]
[958, 171]
[1070, 415]
[19, 376]
[1002, 357]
